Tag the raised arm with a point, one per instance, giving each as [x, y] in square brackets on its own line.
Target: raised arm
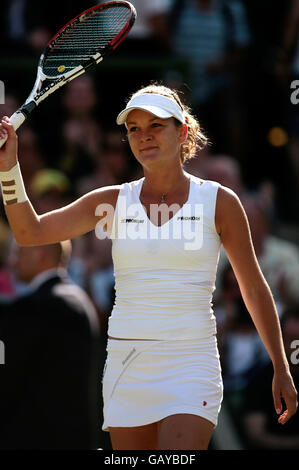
[233, 227]
[31, 229]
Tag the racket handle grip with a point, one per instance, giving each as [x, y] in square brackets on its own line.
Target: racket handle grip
[16, 120]
[2, 142]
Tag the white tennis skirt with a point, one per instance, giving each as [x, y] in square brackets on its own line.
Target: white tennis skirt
[146, 381]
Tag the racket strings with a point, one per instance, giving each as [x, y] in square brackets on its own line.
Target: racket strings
[77, 44]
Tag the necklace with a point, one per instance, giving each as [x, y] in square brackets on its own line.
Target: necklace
[162, 199]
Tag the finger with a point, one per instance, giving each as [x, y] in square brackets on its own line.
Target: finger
[277, 401]
[7, 132]
[284, 417]
[8, 127]
[278, 405]
[5, 122]
[3, 132]
[291, 408]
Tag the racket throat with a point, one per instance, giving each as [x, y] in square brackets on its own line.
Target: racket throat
[28, 107]
[94, 60]
[43, 87]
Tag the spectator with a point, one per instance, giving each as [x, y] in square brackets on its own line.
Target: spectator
[243, 354]
[50, 188]
[30, 153]
[10, 104]
[273, 27]
[29, 25]
[225, 170]
[212, 35]
[7, 287]
[289, 73]
[90, 265]
[142, 57]
[259, 421]
[19, 21]
[278, 258]
[226, 304]
[113, 165]
[100, 273]
[150, 32]
[81, 131]
[50, 380]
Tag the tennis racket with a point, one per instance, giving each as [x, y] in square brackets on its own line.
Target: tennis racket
[82, 43]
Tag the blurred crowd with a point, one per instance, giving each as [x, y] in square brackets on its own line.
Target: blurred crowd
[236, 62]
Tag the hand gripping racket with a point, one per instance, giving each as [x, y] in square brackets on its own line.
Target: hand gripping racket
[83, 42]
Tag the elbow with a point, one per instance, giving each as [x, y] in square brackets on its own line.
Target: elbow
[24, 238]
[258, 291]
[23, 241]
[260, 298]
[255, 288]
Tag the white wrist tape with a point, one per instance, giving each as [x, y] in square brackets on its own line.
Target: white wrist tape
[12, 185]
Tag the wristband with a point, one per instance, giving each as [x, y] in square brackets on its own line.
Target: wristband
[12, 185]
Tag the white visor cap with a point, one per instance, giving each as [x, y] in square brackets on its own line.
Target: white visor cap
[159, 105]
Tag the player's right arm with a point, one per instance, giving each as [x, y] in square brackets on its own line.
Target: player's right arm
[77, 218]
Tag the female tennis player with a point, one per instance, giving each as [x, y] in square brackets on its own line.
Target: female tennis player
[162, 382]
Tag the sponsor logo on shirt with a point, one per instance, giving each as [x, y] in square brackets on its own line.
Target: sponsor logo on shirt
[135, 221]
[162, 223]
[192, 218]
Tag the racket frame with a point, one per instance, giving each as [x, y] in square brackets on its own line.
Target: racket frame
[40, 92]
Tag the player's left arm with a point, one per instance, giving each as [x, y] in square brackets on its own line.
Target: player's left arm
[233, 228]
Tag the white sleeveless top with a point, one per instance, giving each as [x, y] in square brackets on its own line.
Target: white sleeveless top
[165, 276]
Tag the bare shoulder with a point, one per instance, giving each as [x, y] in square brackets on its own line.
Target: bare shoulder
[226, 195]
[228, 208]
[105, 195]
